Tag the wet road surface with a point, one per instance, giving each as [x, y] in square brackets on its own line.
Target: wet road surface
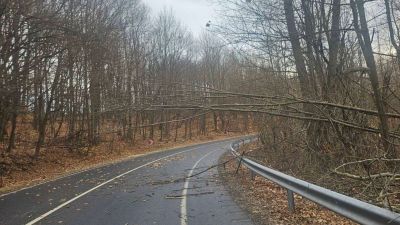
[147, 190]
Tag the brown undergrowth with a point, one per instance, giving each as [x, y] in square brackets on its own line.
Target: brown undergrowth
[266, 202]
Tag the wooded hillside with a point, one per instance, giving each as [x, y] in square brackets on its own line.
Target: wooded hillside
[332, 103]
[75, 74]
[320, 79]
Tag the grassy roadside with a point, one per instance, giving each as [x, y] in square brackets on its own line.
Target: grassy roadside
[54, 163]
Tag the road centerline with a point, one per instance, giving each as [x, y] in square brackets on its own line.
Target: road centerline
[184, 216]
[102, 184]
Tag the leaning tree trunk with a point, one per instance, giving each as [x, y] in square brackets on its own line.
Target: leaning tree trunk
[301, 68]
[364, 40]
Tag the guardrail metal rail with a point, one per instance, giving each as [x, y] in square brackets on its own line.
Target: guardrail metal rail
[354, 209]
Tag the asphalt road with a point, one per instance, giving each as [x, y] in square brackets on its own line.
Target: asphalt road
[143, 191]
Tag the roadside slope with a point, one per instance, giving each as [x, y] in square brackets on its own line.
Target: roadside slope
[266, 202]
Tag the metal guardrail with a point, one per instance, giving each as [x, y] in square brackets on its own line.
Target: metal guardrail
[346, 206]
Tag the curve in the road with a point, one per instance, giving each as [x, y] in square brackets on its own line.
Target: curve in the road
[177, 186]
[100, 185]
[184, 217]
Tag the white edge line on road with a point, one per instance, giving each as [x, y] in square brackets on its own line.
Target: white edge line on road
[100, 185]
[184, 216]
[110, 164]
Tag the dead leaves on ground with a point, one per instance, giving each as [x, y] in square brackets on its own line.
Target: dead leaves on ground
[55, 162]
[267, 202]
[163, 162]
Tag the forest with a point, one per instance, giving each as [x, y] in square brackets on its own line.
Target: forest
[318, 80]
[79, 70]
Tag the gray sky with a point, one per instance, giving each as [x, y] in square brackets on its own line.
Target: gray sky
[194, 14]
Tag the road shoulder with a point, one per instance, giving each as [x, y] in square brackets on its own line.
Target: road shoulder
[266, 202]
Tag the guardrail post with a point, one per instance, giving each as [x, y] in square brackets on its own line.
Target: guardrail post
[290, 197]
[238, 166]
[253, 175]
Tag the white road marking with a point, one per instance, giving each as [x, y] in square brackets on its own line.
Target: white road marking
[102, 184]
[101, 166]
[184, 216]
[107, 164]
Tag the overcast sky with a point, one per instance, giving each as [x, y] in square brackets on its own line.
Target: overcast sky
[194, 14]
